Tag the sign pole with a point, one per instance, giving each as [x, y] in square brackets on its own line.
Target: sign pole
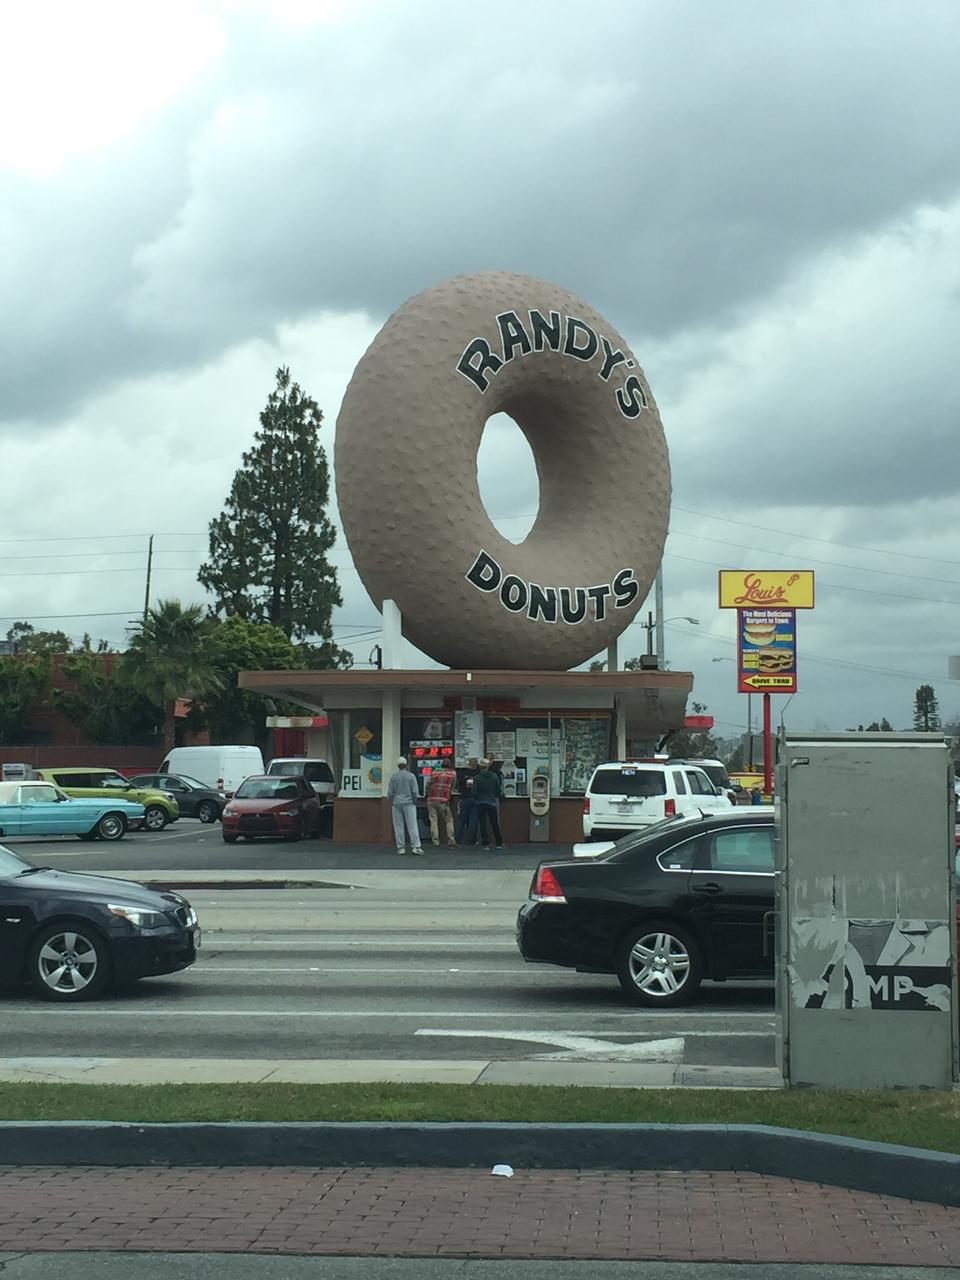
[750, 730]
[767, 748]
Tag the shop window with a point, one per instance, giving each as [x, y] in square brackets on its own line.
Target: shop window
[568, 747]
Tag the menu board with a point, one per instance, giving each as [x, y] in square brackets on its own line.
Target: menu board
[468, 737]
[502, 745]
[535, 742]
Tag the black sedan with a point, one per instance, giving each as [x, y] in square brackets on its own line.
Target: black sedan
[70, 935]
[196, 799]
[687, 899]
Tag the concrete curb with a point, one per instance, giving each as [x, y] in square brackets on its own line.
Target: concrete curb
[907, 1172]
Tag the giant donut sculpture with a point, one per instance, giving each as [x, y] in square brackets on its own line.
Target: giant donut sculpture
[406, 470]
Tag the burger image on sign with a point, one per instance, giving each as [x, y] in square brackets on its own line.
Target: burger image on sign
[759, 633]
[775, 659]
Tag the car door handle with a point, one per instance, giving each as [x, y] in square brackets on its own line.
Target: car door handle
[711, 887]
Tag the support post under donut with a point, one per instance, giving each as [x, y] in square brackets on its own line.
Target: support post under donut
[390, 734]
[392, 629]
[621, 729]
[613, 656]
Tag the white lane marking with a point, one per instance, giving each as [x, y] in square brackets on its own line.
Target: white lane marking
[148, 1011]
[179, 835]
[574, 1047]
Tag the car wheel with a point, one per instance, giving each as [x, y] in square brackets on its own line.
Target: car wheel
[207, 811]
[659, 964]
[293, 836]
[68, 963]
[155, 818]
[229, 839]
[111, 826]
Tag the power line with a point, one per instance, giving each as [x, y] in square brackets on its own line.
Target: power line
[855, 568]
[99, 537]
[833, 586]
[805, 656]
[806, 537]
[86, 555]
[76, 573]
[60, 617]
[803, 537]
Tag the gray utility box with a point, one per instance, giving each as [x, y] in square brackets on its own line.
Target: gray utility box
[866, 911]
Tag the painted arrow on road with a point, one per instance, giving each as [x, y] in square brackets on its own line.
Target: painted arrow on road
[575, 1048]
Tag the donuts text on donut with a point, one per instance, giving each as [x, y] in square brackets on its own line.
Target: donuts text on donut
[568, 335]
[572, 604]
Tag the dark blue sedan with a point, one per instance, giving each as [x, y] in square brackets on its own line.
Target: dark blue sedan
[69, 935]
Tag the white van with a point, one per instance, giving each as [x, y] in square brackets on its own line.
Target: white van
[222, 768]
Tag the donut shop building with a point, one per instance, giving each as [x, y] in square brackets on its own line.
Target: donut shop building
[562, 723]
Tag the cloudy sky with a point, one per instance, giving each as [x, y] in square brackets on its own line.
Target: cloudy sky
[763, 197]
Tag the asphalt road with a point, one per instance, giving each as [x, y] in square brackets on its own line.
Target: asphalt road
[408, 959]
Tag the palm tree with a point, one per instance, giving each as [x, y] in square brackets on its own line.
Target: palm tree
[167, 659]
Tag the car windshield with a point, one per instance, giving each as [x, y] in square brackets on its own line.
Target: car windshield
[10, 864]
[193, 782]
[628, 781]
[267, 789]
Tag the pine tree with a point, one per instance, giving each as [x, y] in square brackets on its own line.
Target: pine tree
[926, 710]
[268, 548]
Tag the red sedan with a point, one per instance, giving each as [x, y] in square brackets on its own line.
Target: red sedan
[262, 806]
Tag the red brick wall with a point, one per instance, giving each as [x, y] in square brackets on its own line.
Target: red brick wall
[67, 744]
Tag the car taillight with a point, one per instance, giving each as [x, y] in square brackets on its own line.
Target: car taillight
[669, 808]
[546, 887]
[219, 784]
[586, 804]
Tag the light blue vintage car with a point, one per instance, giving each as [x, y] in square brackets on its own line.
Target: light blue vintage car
[41, 809]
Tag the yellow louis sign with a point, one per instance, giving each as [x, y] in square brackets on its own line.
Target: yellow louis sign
[764, 588]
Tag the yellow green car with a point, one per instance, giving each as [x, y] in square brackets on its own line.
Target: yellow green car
[159, 807]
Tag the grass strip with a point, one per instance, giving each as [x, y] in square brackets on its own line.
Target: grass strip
[917, 1118]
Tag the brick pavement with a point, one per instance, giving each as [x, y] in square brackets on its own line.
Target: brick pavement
[565, 1214]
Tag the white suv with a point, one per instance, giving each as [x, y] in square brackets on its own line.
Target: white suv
[630, 795]
[317, 772]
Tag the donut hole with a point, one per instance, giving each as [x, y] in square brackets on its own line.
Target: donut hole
[507, 478]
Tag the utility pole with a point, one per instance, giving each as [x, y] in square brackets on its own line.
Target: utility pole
[146, 597]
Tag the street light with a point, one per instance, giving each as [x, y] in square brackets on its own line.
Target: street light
[749, 716]
[650, 624]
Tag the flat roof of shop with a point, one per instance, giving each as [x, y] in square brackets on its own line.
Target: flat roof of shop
[466, 681]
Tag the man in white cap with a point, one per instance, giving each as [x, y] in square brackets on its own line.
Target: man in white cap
[403, 792]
